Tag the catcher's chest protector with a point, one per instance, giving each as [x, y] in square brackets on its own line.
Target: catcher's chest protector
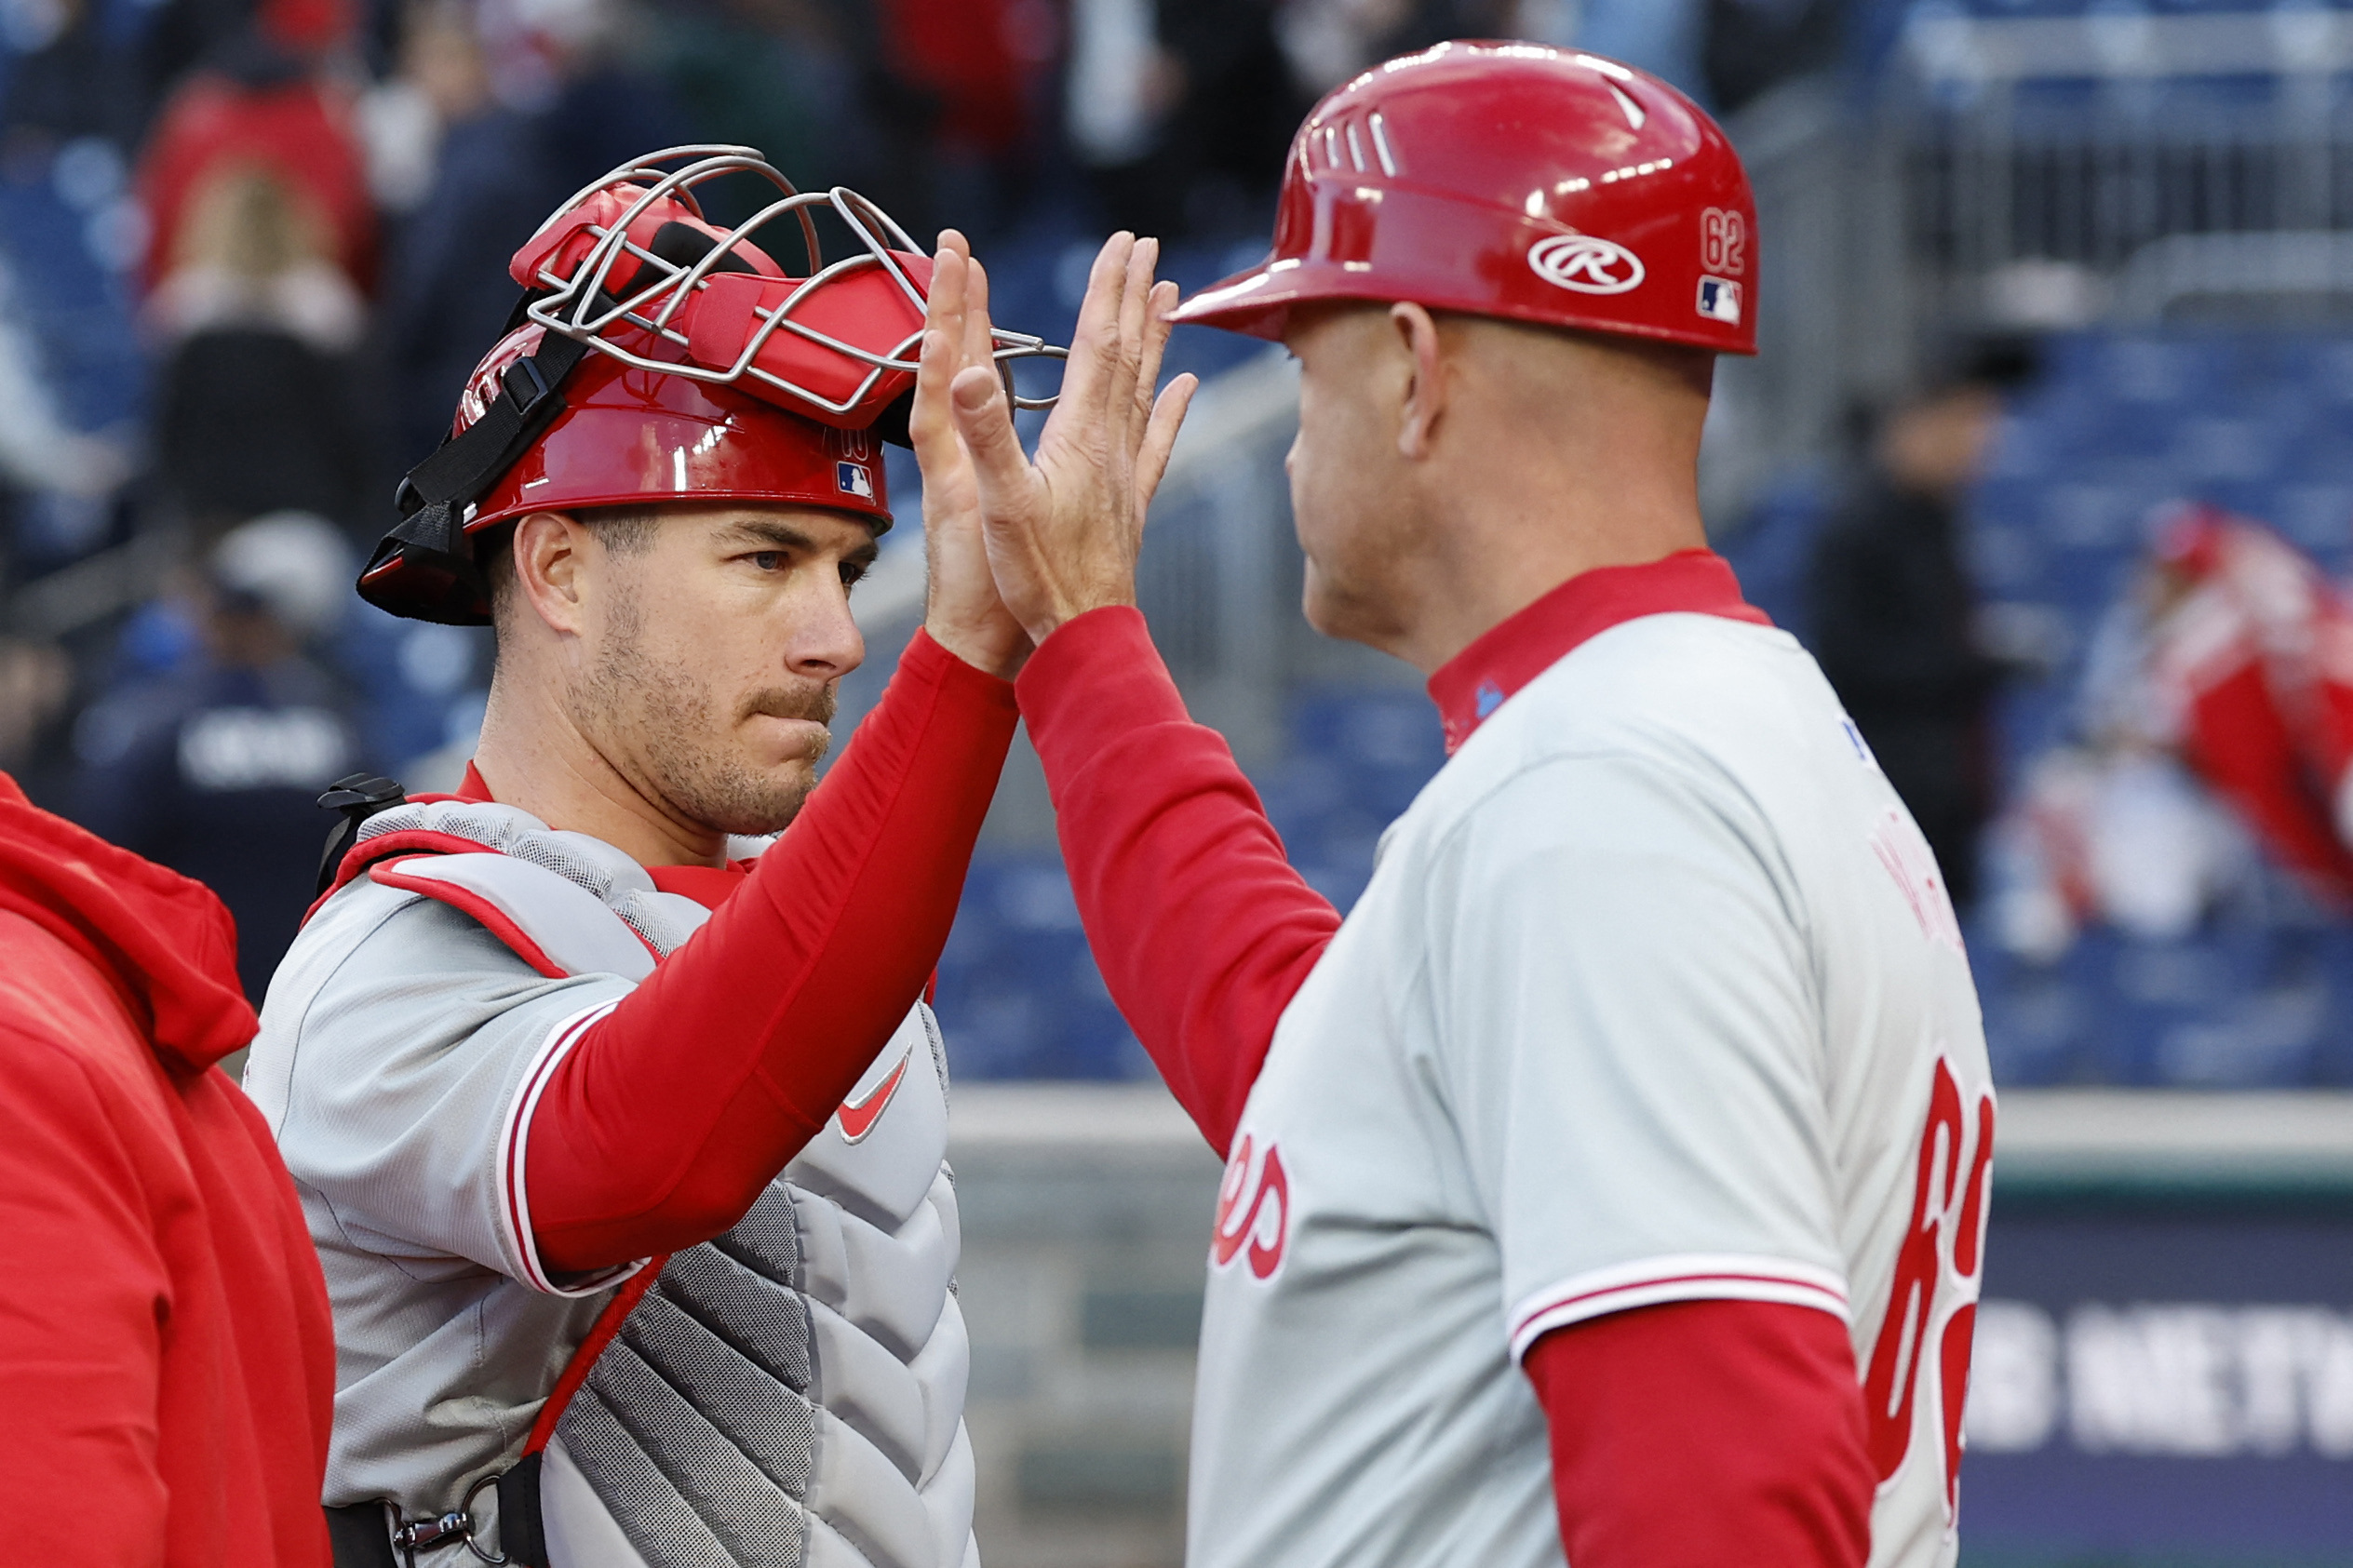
[790, 1392]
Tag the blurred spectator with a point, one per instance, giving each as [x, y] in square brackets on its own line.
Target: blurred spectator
[258, 409]
[214, 770]
[1181, 110]
[1234, 118]
[1121, 88]
[2217, 713]
[1893, 611]
[266, 103]
[532, 102]
[976, 60]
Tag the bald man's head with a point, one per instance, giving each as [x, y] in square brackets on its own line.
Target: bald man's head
[1423, 435]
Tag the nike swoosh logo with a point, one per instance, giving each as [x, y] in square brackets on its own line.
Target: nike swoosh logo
[858, 1118]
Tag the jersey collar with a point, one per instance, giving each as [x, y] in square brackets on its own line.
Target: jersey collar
[709, 886]
[1478, 681]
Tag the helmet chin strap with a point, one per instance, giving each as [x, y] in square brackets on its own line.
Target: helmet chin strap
[429, 547]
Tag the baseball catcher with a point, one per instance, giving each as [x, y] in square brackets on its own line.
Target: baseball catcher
[624, 1157]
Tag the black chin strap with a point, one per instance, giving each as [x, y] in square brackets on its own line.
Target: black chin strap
[427, 550]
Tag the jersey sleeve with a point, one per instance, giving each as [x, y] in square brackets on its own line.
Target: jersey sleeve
[1706, 1431]
[1632, 1046]
[419, 1056]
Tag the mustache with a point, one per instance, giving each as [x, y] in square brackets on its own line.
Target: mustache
[815, 703]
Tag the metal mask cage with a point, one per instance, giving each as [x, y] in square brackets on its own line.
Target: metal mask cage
[579, 307]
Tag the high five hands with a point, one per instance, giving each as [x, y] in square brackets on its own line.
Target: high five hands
[1017, 546]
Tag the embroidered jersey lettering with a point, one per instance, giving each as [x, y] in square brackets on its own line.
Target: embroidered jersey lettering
[1655, 996]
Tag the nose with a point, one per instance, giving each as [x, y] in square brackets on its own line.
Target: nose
[827, 643]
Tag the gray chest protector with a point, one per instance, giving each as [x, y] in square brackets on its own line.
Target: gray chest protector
[791, 1392]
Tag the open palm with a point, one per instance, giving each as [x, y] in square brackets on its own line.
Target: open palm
[1062, 531]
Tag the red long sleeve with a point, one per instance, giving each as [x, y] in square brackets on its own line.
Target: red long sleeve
[1706, 1432]
[663, 1125]
[1170, 852]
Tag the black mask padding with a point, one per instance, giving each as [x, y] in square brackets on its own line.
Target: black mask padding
[682, 245]
[891, 423]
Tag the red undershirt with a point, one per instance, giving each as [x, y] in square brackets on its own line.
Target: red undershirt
[1700, 1432]
[677, 1109]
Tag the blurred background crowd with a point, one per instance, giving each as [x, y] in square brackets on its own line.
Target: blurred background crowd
[2046, 457]
[2042, 457]
[249, 249]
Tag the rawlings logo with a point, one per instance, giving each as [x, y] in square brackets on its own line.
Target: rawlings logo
[1587, 264]
[1260, 1226]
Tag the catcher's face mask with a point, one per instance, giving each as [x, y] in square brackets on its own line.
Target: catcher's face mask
[657, 357]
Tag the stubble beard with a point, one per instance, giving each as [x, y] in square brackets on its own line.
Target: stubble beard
[683, 729]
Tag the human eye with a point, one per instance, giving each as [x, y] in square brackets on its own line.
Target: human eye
[767, 560]
[853, 572]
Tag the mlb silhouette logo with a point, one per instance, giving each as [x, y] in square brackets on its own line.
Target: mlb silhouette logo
[1720, 300]
[852, 478]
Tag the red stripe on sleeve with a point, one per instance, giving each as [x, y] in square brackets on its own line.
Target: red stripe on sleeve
[1202, 929]
[662, 1126]
[1706, 1431]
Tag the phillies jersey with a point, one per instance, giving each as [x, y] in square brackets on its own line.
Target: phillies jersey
[1656, 994]
[788, 1394]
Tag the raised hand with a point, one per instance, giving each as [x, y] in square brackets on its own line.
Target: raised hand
[1063, 531]
[963, 613]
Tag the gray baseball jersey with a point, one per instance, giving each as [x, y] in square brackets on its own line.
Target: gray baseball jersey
[790, 1392]
[1655, 996]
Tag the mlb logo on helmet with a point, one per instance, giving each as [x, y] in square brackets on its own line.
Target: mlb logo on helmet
[1720, 300]
[851, 478]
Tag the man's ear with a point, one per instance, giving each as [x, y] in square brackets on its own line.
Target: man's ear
[1426, 391]
[551, 557]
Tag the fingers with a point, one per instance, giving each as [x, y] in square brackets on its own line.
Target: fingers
[980, 343]
[983, 417]
[1158, 305]
[929, 421]
[1095, 342]
[1135, 306]
[1160, 439]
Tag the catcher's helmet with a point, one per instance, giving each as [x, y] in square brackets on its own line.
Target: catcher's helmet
[654, 357]
[1511, 180]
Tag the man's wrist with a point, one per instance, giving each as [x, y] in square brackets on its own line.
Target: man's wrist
[997, 653]
[937, 659]
[1062, 615]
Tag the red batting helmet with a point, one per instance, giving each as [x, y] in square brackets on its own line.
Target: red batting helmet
[1511, 180]
[657, 357]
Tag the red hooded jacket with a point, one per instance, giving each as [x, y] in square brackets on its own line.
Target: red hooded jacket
[167, 1362]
